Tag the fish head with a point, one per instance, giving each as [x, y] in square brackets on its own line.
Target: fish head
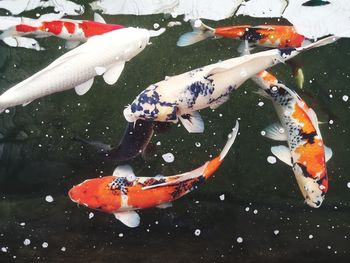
[312, 189]
[149, 106]
[137, 40]
[97, 193]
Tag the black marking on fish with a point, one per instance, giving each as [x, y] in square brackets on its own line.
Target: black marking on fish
[285, 52]
[306, 174]
[153, 181]
[121, 184]
[197, 89]
[310, 137]
[316, 3]
[252, 35]
[186, 186]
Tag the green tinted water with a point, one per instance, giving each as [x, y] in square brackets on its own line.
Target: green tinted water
[262, 203]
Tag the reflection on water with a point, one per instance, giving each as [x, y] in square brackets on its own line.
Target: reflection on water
[250, 210]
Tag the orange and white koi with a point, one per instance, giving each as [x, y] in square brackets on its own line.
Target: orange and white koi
[123, 193]
[307, 153]
[272, 36]
[74, 31]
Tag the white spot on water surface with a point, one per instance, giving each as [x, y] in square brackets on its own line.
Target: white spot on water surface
[198, 144]
[260, 104]
[345, 98]
[197, 232]
[26, 242]
[222, 197]
[156, 25]
[49, 199]
[45, 245]
[239, 240]
[91, 215]
[168, 157]
[276, 232]
[271, 159]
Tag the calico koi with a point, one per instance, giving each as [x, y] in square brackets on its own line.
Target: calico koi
[306, 154]
[123, 193]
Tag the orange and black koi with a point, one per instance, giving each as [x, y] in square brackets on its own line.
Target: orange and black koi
[298, 125]
[123, 193]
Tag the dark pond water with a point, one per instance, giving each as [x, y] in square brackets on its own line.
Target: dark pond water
[262, 204]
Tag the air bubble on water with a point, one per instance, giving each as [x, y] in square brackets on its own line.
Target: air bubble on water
[168, 157]
[198, 144]
[7, 111]
[348, 185]
[239, 240]
[311, 236]
[63, 249]
[263, 133]
[158, 143]
[45, 245]
[197, 232]
[26, 242]
[247, 209]
[255, 211]
[4, 249]
[91, 215]
[345, 98]
[260, 104]
[120, 235]
[276, 232]
[22, 224]
[222, 197]
[331, 122]
[271, 159]
[49, 199]
[155, 25]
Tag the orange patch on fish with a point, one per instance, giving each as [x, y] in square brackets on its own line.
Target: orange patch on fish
[212, 166]
[301, 116]
[312, 157]
[267, 77]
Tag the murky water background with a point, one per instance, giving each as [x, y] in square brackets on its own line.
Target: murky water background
[262, 205]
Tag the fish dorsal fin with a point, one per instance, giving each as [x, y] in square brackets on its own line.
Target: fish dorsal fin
[164, 205]
[193, 122]
[283, 153]
[129, 218]
[113, 73]
[180, 178]
[70, 44]
[124, 171]
[328, 153]
[84, 87]
[275, 132]
[98, 18]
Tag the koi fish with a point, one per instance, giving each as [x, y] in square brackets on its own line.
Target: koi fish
[123, 193]
[306, 154]
[181, 96]
[272, 36]
[101, 55]
[316, 3]
[74, 31]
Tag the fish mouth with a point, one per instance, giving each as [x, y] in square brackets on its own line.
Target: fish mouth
[128, 115]
[72, 195]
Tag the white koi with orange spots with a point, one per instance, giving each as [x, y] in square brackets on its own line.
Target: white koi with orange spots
[306, 153]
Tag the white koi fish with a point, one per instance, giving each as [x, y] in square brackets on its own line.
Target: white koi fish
[100, 55]
[181, 96]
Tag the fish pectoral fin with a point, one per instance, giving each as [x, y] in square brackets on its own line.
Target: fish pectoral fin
[328, 153]
[283, 153]
[193, 122]
[124, 171]
[113, 73]
[98, 18]
[165, 205]
[100, 70]
[10, 41]
[70, 44]
[26, 103]
[84, 87]
[244, 48]
[217, 103]
[275, 132]
[129, 218]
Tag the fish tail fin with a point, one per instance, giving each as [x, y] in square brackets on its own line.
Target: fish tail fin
[214, 164]
[199, 33]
